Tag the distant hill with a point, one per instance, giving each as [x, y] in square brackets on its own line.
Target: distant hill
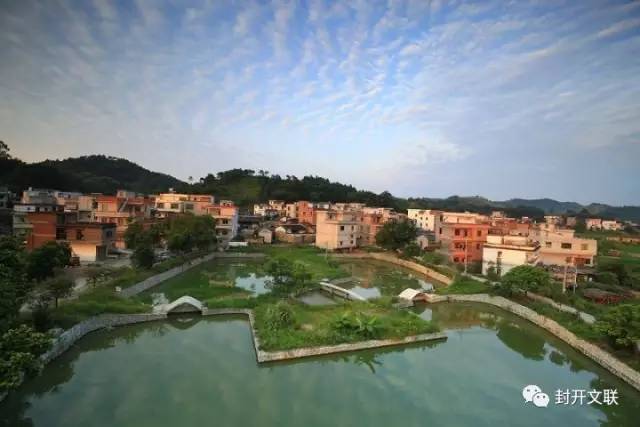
[106, 174]
[89, 174]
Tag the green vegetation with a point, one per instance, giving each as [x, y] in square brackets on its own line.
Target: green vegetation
[465, 285]
[398, 235]
[288, 277]
[524, 278]
[438, 262]
[621, 325]
[42, 261]
[335, 324]
[19, 351]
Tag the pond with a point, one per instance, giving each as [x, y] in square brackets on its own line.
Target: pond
[202, 371]
[373, 279]
[213, 279]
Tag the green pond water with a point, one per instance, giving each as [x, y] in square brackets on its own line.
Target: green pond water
[373, 279]
[202, 372]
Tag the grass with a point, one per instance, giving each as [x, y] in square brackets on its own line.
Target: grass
[315, 260]
[465, 285]
[99, 300]
[314, 325]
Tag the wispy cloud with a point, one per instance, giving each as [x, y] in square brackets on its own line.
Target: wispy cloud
[423, 84]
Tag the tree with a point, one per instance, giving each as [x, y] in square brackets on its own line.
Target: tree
[526, 278]
[621, 324]
[396, 235]
[287, 276]
[133, 235]
[14, 286]
[4, 151]
[58, 287]
[412, 250]
[581, 225]
[143, 255]
[19, 351]
[42, 261]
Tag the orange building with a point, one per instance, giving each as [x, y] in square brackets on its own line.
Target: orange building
[122, 209]
[463, 241]
[226, 217]
[305, 212]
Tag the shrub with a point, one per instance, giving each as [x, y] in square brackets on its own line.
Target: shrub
[359, 325]
[279, 316]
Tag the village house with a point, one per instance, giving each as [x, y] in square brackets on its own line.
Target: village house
[426, 219]
[463, 236]
[611, 225]
[561, 247]
[593, 223]
[337, 230]
[122, 209]
[265, 210]
[226, 217]
[503, 252]
[295, 234]
[172, 204]
[90, 241]
[291, 210]
[280, 206]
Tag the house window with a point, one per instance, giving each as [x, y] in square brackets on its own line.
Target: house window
[340, 244]
[584, 246]
[455, 259]
[587, 261]
[479, 233]
[457, 232]
[79, 235]
[440, 230]
[477, 245]
[565, 245]
[547, 244]
[342, 228]
[109, 234]
[160, 205]
[188, 206]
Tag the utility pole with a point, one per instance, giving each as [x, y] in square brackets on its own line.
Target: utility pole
[564, 279]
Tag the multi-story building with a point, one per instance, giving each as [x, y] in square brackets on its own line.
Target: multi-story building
[32, 201]
[265, 210]
[291, 210]
[553, 219]
[593, 223]
[561, 247]
[505, 252]
[509, 227]
[426, 219]
[347, 206]
[611, 225]
[337, 230]
[463, 240]
[122, 209]
[225, 215]
[280, 206]
[171, 204]
[306, 212]
[571, 221]
[90, 241]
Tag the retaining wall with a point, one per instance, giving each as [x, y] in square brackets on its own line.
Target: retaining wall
[165, 275]
[401, 262]
[592, 351]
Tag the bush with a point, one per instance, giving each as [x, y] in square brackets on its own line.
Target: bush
[621, 324]
[19, 351]
[607, 277]
[278, 316]
[359, 325]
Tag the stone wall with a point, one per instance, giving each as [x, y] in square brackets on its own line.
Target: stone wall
[63, 342]
[592, 351]
[165, 275]
[398, 261]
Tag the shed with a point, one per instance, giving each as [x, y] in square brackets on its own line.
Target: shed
[410, 294]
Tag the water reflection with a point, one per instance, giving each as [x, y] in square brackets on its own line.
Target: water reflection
[191, 370]
[373, 279]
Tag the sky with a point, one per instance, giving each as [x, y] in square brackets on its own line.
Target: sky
[421, 98]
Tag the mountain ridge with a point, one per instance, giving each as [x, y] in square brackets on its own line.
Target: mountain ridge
[106, 174]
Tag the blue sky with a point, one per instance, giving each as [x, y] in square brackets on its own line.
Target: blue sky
[425, 98]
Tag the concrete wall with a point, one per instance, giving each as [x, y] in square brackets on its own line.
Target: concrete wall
[401, 262]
